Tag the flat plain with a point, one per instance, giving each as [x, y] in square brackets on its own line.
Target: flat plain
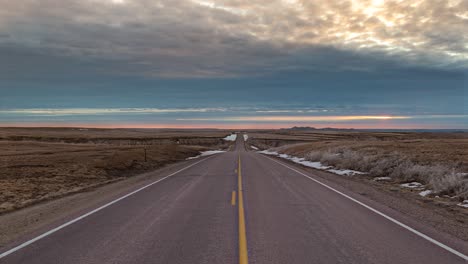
[39, 164]
[185, 212]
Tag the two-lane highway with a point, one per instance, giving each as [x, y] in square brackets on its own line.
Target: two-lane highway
[237, 207]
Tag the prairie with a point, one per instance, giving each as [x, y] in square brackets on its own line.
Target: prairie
[39, 164]
[437, 160]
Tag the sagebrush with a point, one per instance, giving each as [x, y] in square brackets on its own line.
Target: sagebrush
[443, 179]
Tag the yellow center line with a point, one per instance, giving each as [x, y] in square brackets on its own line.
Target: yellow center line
[243, 258]
[233, 198]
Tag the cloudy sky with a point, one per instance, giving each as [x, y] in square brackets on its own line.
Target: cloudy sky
[238, 63]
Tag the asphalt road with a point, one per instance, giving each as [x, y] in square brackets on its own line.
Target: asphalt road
[239, 207]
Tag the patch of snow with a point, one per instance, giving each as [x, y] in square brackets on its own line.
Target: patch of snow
[463, 204]
[302, 161]
[296, 159]
[346, 172]
[254, 147]
[269, 152]
[425, 193]
[411, 185]
[231, 137]
[246, 137]
[382, 179]
[313, 164]
[206, 153]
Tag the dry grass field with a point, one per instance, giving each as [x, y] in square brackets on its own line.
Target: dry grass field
[439, 160]
[40, 164]
[114, 136]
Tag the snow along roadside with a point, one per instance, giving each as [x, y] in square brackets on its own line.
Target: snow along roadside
[312, 164]
[318, 165]
[206, 153]
[231, 137]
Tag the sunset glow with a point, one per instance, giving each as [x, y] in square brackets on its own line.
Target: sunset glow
[299, 118]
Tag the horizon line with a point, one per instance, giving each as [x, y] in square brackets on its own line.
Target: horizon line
[221, 126]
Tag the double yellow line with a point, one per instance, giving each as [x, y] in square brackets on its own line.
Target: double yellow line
[243, 258]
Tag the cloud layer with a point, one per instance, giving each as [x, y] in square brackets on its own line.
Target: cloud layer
[205, 62]
[213, 39]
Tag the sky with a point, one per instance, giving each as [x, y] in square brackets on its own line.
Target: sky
[234, 64]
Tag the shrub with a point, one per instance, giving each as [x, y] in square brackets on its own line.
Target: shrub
[451, 183]
[442, 179]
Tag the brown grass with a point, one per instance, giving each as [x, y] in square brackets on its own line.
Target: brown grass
[39, 164]
[436, 159]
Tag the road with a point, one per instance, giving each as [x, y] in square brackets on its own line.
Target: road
[238, 207]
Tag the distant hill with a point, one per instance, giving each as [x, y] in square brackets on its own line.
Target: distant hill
[307, 128]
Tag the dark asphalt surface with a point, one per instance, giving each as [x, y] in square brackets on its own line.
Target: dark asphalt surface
[188, 218]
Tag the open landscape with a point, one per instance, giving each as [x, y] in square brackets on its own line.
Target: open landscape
[437, 161]
[233, 131]
[39, 164]
[428, 169]
[51, 174]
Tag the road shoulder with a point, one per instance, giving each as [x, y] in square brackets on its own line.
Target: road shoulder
[415, 210]
[32, 221]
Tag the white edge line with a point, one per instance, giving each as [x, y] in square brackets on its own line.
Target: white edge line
[449, 249]
[29, 242]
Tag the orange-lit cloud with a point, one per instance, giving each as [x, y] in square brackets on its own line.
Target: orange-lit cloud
[296, 118]
[207, 38]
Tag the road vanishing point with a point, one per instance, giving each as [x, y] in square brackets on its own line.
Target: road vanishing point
[238, 207]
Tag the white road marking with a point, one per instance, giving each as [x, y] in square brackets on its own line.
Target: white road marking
[451, 250]
[29, 242]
